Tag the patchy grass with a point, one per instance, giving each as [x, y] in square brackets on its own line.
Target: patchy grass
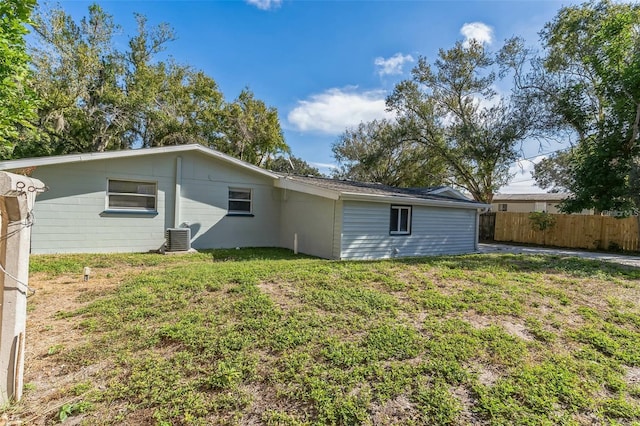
[260, 336]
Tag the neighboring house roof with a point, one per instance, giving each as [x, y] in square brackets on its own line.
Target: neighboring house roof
[78, 158]
[365, 191]
[555, 196]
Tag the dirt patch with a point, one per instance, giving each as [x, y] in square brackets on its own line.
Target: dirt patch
[50, 335]
[394, 411]
[464, 395]
[511, 327]
[633, 376]
[285, 298]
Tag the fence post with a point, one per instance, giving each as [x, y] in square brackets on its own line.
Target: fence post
[17, 197]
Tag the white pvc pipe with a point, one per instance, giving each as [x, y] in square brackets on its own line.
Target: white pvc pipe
[295, 243]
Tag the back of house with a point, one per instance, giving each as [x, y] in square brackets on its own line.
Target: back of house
[129, 201]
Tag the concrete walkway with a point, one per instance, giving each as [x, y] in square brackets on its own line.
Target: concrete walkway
[606, 257]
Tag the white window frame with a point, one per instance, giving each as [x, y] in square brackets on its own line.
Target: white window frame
[250, 201]
[153, 196]
[502, 207]
[395, 230]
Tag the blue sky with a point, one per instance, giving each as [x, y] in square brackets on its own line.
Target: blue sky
[327, 65]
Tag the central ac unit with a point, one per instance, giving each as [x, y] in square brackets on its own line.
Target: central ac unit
[178, 239]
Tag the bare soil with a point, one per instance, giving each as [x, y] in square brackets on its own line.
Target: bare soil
[47, 381]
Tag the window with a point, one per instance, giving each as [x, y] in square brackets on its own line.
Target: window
[131, 195]
[502, 207]
[400, 223]
[239, 201]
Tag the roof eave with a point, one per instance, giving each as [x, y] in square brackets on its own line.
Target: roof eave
[351, 196]
[79, 158]
[285, 182]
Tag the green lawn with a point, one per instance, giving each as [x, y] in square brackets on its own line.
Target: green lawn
[258, 336]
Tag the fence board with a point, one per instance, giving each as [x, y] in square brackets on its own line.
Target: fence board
[575, 231]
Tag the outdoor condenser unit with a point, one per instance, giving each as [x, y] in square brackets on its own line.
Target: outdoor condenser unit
[178, 239]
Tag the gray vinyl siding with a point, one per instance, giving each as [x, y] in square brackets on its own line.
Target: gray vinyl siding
[311, 218]
[434, 230]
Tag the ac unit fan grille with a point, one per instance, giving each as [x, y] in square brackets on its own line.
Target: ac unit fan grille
[178, 239]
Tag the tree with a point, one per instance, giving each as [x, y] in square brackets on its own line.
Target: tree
[292, 165]
[591, 82]
[78, 76]
[184, 107]
[17, 104]
[451, 107]
[375, 152]
[554, 172]
[97, 97]
[251, 131]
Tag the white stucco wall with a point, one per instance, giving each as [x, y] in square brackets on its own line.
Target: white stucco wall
[312, 218]
[434, 230]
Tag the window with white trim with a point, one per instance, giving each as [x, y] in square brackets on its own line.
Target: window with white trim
[400, 222]
[502, 207]
[239, 201]
[131, 195]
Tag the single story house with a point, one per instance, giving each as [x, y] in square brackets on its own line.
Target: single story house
[527, 203]
[189, 195]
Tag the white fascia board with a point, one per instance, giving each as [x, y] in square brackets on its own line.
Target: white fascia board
[79, 158]
[90, 156]
[285, 183]
[350, 196]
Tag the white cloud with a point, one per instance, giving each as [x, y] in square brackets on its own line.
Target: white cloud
[478, 31]
[334, 110]
[265, 4]
[392, 65]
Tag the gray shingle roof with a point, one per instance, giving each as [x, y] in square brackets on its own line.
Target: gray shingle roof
[369, 188]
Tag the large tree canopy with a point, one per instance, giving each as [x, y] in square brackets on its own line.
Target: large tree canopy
[97, 97]
[17, 105]
[591, 82]
[251, 130]
[376, 152]
[452, 108]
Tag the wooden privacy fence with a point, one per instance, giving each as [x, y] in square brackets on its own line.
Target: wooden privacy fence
[575, 231]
